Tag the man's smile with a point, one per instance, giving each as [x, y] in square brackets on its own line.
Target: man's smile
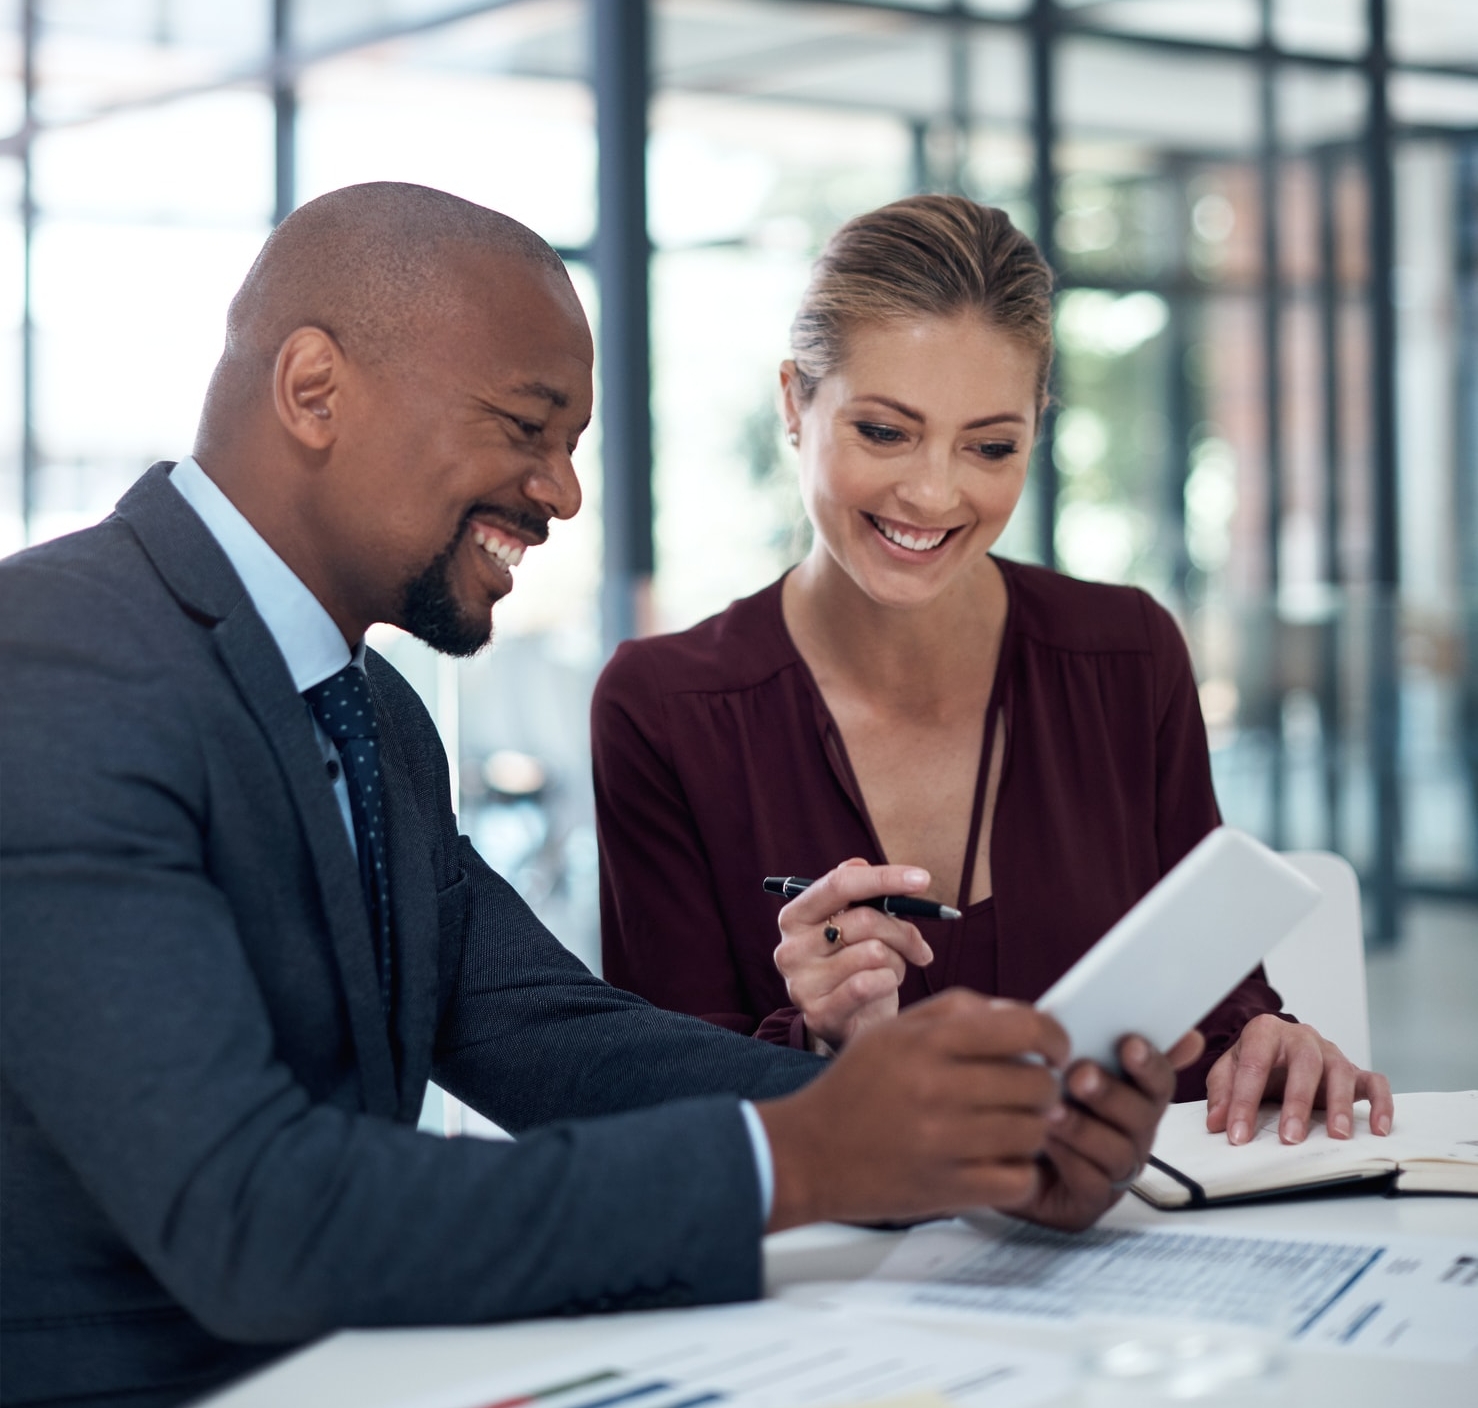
[498, 545]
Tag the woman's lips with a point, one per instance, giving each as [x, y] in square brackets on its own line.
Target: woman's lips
[918, 542]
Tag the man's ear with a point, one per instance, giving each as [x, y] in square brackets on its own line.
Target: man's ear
[307, 387]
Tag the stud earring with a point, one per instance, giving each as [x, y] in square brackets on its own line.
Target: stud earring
[794, 437]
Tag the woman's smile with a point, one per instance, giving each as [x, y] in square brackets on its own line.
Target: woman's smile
[909, 542]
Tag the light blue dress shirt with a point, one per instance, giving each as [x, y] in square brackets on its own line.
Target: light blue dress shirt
[314, 648]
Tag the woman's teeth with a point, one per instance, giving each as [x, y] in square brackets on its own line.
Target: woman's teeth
[922, 543]
[509, 554]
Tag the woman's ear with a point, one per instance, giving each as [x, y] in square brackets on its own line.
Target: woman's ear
[307, 387]
[790, 401]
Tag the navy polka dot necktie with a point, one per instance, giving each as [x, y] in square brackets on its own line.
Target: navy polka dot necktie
[343, 706]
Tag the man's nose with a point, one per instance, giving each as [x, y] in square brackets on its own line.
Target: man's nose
[554, 485]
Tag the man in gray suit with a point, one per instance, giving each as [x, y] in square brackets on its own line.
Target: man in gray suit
[240, 932]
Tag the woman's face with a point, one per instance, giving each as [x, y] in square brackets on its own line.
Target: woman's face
[914, 451]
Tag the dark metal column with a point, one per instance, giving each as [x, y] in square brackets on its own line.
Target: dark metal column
[1385, 559]
[959, 100]
[1269, 168]
[1044, 196]
[621, 74]
[1465, 497]
[29, 460]
[1180, 398]
[1331, 721]
[284, 112]
[920, 182]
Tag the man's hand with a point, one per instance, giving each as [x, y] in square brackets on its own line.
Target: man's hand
[848, 984]
[1099, 1138]
[927, 1114]
[1272, 1059]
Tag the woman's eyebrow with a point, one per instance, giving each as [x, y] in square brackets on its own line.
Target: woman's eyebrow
[898, 406]
[995, 420]
[911, 414]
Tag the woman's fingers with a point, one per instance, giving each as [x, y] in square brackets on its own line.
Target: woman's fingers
[817, 980]
[1374, 1087]
[850, 882]
[863, 926]
[1304, 1057]
[1340, 1078]
[1253, 1058]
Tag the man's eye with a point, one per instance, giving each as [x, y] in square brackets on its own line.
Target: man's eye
[879, 434]
[531, 429]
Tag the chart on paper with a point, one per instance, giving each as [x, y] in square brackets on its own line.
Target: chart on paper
[769, 1357]
[1412, 1296]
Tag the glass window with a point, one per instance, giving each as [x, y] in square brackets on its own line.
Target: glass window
[147, 223]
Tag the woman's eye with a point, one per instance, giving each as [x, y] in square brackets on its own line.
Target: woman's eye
[998, 449]
[879, 434]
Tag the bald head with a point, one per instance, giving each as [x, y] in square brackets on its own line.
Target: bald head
[377, 266]
[405, 379]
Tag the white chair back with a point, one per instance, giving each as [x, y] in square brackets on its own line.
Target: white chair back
[1319, 969]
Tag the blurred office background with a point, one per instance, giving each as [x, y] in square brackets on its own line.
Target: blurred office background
[1264, 214]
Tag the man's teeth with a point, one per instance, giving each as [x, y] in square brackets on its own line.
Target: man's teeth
[509, 554]
[907, 540]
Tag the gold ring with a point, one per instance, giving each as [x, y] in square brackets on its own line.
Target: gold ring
[831, 933]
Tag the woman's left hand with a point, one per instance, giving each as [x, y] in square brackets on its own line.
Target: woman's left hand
[1274, 1059]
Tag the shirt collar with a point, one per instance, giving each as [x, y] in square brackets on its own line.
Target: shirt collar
[305, 633]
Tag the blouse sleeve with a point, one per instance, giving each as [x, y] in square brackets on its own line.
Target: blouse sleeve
[1185, 810]
[662, 929]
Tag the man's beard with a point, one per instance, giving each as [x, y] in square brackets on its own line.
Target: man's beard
[429, 611]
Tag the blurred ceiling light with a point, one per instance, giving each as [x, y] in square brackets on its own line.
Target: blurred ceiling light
[513, 774]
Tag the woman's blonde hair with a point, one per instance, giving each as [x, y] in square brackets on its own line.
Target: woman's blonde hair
[933, 256]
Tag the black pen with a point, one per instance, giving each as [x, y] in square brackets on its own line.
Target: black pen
[905, 906]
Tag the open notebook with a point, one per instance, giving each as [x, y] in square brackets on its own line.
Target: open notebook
[1432, 1148]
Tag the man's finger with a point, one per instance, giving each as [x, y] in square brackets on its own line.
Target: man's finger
[1186, 1052]
[1151, 1071]
[968, 1026]
[1109, 1148]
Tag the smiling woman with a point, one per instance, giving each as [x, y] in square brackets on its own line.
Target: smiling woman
[915, 715]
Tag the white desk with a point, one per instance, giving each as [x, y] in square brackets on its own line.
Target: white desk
[380, 1369]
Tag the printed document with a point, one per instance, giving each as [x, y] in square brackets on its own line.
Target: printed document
[769, 1356]
[1415, 1297]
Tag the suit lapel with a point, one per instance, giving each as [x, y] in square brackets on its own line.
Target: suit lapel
[252, 657]
[415, 918]
[198, 572]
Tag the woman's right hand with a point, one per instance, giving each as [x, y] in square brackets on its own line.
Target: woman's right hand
[844, 986]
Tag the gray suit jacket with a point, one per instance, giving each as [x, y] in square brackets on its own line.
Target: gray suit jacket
[208, 1141]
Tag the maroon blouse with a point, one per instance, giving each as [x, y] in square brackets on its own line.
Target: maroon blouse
[717, 763]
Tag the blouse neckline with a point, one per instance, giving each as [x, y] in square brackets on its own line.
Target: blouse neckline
[835, 747]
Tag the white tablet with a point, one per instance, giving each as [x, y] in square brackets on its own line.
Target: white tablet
[1182, 948]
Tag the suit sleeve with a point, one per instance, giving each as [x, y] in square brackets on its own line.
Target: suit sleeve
[133, 1031]
[1185, 811]
[663, 931]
